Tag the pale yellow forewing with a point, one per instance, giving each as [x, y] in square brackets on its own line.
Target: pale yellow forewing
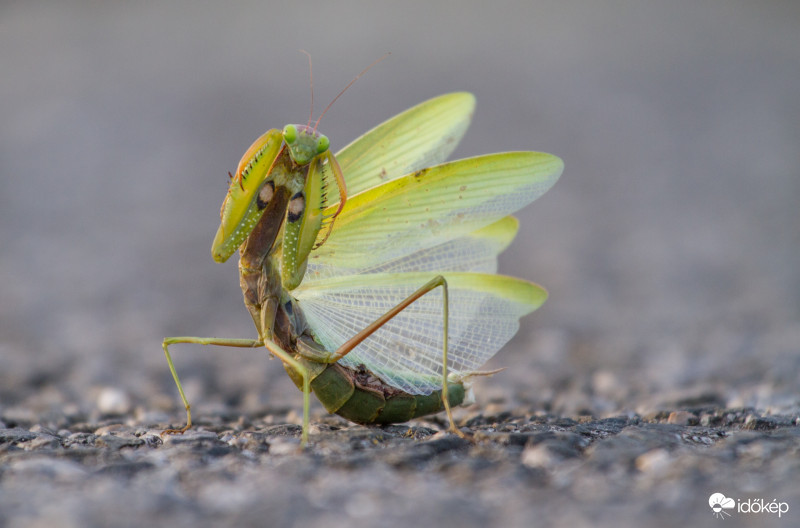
[422, 136]
[433, 206]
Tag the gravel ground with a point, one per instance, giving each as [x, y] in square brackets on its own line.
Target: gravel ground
[663, 369]
[515, 468]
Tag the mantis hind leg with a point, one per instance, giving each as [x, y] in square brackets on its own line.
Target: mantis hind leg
[438, 281]
[240, 343]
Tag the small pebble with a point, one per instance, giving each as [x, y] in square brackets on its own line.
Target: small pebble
[654, 461]
[100, 431]
[605, 382]
[118, 441]
[537, 456]
[191, 437]
[113, 401]
[681, 418]
[43, 441]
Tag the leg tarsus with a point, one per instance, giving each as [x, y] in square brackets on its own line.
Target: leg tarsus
[240, 343]
[178, 431]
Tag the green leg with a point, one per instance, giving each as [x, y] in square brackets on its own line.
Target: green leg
[303, 371]
[241, 343]
[382, 320]
[266, 323]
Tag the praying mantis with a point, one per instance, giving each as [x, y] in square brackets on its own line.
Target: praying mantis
[371, 274]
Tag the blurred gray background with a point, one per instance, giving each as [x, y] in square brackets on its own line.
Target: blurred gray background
[669, 247]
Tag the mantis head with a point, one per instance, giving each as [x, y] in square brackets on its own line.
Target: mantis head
[304, 143]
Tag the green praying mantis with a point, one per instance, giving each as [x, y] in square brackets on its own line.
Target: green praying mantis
[371, 274]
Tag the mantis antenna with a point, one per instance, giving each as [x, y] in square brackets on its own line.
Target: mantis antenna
[311, 82]
[348, 86]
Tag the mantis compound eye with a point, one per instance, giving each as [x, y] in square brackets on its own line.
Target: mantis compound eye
[322, 144]
[290, 134]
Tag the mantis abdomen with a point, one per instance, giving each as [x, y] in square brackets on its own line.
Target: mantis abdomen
[362, 398]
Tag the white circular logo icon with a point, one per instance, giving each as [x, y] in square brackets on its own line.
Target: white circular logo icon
[719, 503]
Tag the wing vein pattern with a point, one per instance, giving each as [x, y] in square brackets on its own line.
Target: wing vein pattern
[396, 232]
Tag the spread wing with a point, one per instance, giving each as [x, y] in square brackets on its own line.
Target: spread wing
[451, 219]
